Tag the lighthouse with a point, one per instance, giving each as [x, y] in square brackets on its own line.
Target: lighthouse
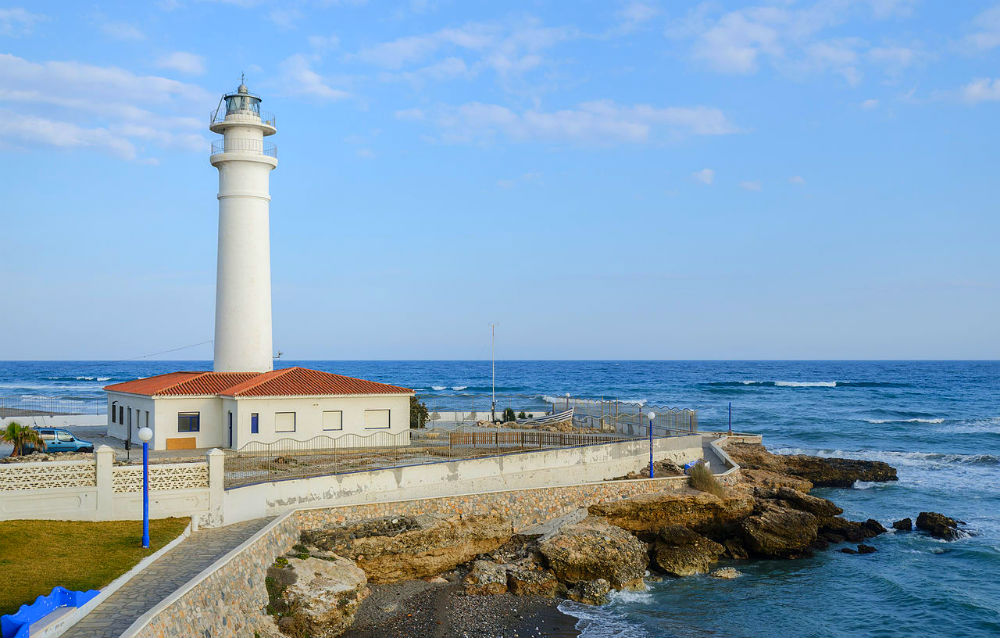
[243, 278]
[244, 400]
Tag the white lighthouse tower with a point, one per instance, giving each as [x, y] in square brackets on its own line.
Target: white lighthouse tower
[243, 283]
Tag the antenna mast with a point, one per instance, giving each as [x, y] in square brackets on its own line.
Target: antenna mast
[493, 363]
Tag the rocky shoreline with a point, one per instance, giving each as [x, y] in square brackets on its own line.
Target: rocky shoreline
[475, 575]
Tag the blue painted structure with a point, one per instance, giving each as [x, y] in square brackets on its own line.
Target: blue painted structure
[145, 494]
[18, 624]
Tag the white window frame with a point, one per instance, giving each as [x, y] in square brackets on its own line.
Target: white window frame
[276, 421]
[341, 420]
[388, 419]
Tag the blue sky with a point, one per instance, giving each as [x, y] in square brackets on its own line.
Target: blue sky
[813, 179]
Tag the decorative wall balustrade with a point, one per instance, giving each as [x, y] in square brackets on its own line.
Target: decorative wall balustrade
[39, 476]
[162, 476]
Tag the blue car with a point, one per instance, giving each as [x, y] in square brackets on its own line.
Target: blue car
[60, 440]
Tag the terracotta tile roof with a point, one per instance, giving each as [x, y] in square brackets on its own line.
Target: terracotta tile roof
[182, 383]
[286, 382]
[303, 381]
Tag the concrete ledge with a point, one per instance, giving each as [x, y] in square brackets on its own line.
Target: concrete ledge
[64, 621]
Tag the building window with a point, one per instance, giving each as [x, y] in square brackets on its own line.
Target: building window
[121, 414]
[254, 423]
[284, 421]
[147, 418]
[333, 420]
[376, 419]
[189, 421]
[114, 409]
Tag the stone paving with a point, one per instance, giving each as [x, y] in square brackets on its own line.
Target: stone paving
[159, 580]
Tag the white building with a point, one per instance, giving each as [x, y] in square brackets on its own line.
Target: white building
[243, 399]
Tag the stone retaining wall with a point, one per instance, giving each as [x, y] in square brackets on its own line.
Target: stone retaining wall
[228, 599]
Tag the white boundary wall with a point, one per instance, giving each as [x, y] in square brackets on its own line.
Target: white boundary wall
[565, 466]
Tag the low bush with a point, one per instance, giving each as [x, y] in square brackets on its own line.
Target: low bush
[700, 477]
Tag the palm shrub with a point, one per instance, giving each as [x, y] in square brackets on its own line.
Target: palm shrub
[700, 477]
[20, 435]
[508, 415]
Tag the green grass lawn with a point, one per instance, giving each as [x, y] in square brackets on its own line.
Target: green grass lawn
[35, 556]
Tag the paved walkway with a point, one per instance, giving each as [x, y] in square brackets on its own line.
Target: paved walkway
[161, 579]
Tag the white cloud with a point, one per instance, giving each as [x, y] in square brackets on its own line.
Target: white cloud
[869, 104]
[981, 90]
[705, 176]
[986, 34]
[365, 153]
[122, 31]
[183, 62]
[302, 80]
[796, 179]
[323, 43]
[16, 21]
[591, 123]
[285, 18]
[634, 15]
[750, 186]
[72, 104]
[789, 37]
[507, 49]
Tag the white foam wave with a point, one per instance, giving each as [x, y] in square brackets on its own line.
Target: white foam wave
[975, 426]
[894, 457]
[459, 387]
[601, 622]
[439, 387]
[103, 378]
[806, 384]
[879, 421]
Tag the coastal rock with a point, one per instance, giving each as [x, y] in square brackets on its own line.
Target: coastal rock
[727, 573]
[821, 508]
[486, 579]
[938, 525]
[593, 592]
[645, 515]
[873, 528]
[821, 472]
[778, 532]
[767, 478]
[866, 549]
[412, 548]
[523, 581]
[592, 549]
[837, 530]
[322, 597]
[847, 550]
[903, 525]
[735, 549]
[680, 552]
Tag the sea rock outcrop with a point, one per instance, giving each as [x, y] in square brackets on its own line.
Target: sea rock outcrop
[594, 549]
[525, 581]
[821, 508]
[774, 531]
[646, 514]
[591, 592]
[486, 579]
[390, 550]
[821, 472]
[322, 596]
[767, 478]
[680, 552]
[903, 525]
[938, 525]
[726, 573]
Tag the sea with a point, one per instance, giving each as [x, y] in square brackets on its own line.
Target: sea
[937, 422]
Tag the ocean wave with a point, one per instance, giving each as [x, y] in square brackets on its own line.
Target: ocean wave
[914, 420]
[439, 387]
[806, 384]
[896, 457]
[602, 621]
[459, 387]
[990, 425]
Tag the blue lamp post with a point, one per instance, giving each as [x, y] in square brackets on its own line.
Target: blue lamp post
[651, 415]
[145, 435]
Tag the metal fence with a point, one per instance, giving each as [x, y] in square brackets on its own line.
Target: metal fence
[49, 406]
[325, 455]
[589, 414]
